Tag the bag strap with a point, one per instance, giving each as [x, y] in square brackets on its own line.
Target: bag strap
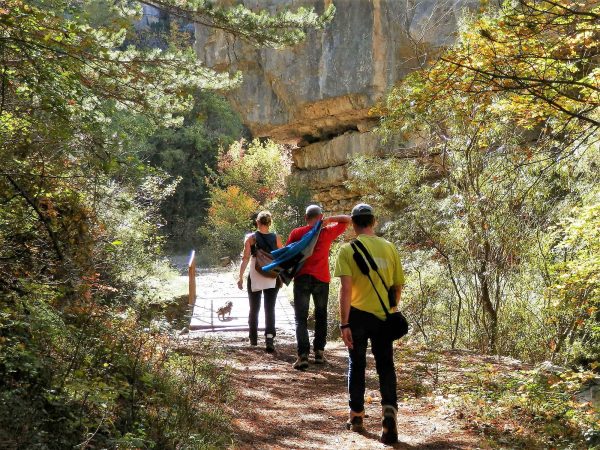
[358, 255]
[264, 244]
[256, 234]
[371, 261]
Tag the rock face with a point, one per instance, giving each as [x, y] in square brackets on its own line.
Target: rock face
[322, 166]
[318, 94]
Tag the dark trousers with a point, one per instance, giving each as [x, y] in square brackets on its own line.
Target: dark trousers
[365, 326]
[254, 299]
[304, 287]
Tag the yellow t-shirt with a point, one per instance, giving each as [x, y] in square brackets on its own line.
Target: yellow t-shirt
[386, 256]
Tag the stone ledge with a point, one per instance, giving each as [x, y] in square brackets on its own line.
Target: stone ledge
[337, 151]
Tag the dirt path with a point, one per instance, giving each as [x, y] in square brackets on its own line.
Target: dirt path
[277, 407]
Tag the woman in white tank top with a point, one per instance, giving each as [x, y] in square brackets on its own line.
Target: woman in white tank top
[257, 283]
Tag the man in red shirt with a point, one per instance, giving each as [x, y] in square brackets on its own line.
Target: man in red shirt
[313, 279]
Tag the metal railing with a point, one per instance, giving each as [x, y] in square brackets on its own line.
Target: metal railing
[192, 278]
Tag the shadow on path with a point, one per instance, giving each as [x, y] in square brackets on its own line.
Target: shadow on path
[278, 407]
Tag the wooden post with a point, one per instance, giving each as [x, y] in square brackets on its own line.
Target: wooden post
[192, 278]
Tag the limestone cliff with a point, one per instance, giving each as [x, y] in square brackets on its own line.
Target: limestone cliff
[317, 95]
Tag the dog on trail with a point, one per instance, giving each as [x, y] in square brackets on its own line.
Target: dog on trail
[224, 310]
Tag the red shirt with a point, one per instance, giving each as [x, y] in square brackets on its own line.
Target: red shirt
[317, 264]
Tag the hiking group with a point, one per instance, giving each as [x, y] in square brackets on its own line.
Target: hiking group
[362, 312]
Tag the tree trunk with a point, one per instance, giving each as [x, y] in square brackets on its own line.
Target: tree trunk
[488, 308]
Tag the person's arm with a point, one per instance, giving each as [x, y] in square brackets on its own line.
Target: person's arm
[335, 226]
[245, 260]
[279, 243]
[398, 276]
[337, 219]
[345, 296]
[292, 237]
[398, 293]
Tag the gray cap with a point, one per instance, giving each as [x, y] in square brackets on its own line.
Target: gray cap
[362, 209]
[313, 210]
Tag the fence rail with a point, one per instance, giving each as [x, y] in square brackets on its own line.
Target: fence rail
[192, 278]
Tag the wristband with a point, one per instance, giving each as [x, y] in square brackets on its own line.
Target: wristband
[346, 325]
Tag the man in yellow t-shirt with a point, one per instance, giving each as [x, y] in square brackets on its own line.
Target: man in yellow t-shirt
[361, 318]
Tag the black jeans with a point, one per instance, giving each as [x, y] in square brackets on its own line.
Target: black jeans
[304, 286]
[270, 300]
[365, 326]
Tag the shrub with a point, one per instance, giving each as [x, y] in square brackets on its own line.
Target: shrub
[249, 178]
[229, 219]
[89, 375]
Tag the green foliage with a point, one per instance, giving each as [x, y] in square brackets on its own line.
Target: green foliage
[229, 219]
[532, 409]
[497, 135]
[189, 154]
[508, 404]
[260, 27]
[464, 199]
[81, 362]
[84, 375]
[542, 54]
[89, 68]
[289, 206]
[249, 179]
[575, 291]
[428, 297]
[259, 169]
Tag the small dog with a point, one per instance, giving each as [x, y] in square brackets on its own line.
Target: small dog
[224, 310]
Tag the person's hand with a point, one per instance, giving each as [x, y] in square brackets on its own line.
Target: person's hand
[347, 337]
[240, 284]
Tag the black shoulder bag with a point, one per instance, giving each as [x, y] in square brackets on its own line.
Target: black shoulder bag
[395, 325]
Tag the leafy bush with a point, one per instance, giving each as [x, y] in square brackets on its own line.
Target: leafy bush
[496, 152]
[83, 361]
[85, 374]
[259, 169]
[333, 303]
[532, 409]
[189, 154]
[575, 291]
[247, 180]
[229, 219]
[509, 404]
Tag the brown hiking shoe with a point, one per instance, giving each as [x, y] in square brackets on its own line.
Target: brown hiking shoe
[355, 422]
[389, 429]
[301, 362]
[319, 358]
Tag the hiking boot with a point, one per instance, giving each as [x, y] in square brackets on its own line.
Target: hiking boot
[301, 362]
[269, 344]
[355, 422]
[319, 358]
[389, 429]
